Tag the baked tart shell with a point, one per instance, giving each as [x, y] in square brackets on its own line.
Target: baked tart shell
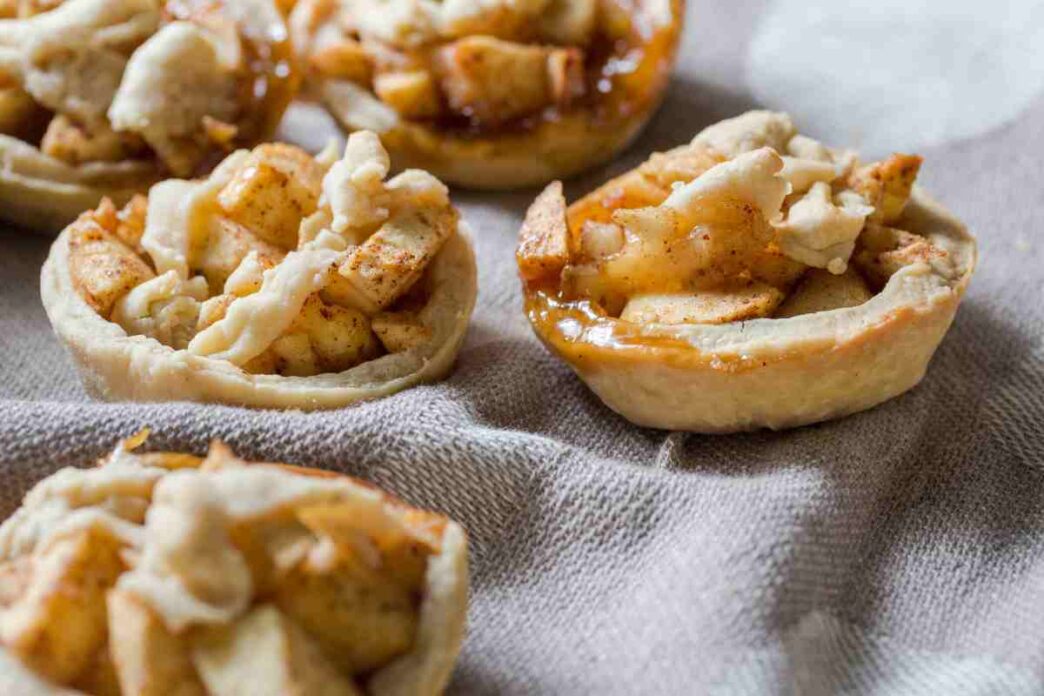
[553, 148]
[442, 622]
[770, 373]
[116, 367]
[44, 194]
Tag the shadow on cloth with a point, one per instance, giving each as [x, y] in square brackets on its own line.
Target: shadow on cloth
[917, 499]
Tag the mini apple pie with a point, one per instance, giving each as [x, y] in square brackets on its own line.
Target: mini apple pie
[164, 573]
[493, 94]
[280, 281]
[753, 278]
[104, 97]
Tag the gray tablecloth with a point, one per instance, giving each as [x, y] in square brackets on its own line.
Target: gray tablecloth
[896, 551]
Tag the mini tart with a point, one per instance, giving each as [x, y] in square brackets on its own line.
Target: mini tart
[281, 281]
[753, 278]
[102, 98]
[218, 576]
[494, 95]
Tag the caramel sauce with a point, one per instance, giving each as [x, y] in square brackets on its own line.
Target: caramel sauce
[585, 336]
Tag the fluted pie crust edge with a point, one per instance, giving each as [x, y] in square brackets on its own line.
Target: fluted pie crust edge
[116, 367]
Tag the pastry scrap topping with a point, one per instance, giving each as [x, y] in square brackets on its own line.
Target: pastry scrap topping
[277, 263]
[175, 83]
[749, 220]
[163, 572]
[473, 65]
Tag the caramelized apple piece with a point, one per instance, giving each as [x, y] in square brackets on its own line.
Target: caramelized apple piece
[266, 654]
[149, 659]
[822, 291]
[103, 268]
[400, 331]
[704, 307]
[493, 81]
[882, 251]
[543, 248]
[384, 267]
[413, 93]
[275, 188]
[886, 185]
[227, 245]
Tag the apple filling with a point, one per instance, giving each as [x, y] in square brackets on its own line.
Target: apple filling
[171, 84]
[750, 220]
[473, 66]
[278, 263]
[209, 576]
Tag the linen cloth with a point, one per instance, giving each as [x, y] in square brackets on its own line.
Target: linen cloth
[898, 551]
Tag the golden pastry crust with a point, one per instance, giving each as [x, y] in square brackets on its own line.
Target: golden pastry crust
[162, 568]
[476, 114]
[47, 179]
[838, 345]
[331, 322]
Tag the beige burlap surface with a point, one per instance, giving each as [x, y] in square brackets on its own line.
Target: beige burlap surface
[898, 551]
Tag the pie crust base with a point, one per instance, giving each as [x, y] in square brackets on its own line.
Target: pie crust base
[44, 194]
[424, 670]
[116, 367]
[776, 373]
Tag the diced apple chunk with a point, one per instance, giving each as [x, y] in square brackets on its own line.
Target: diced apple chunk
[275, 188]
[384, 267]
[130, 222]
[75, 144]
[599, 240]
[886, 185]
[294, 356]
[103, 268]
[705, 307]
[493, 81]
[227, 245]
[881, 251]
[413, 93]
[149, 659]
[340, 337]
[266, 654]
[343, 60]
[59, 623]
[565, 74]
[400, 331]
[358, 616]
[822, 291]
[543, 247]
[213, 310]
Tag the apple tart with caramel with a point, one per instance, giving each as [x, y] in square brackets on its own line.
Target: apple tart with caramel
[752, 278]
[104, 97]
[491, 94]
[281, 280]
[165, 573]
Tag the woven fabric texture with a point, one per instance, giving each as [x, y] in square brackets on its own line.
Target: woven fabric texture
[898, 551]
